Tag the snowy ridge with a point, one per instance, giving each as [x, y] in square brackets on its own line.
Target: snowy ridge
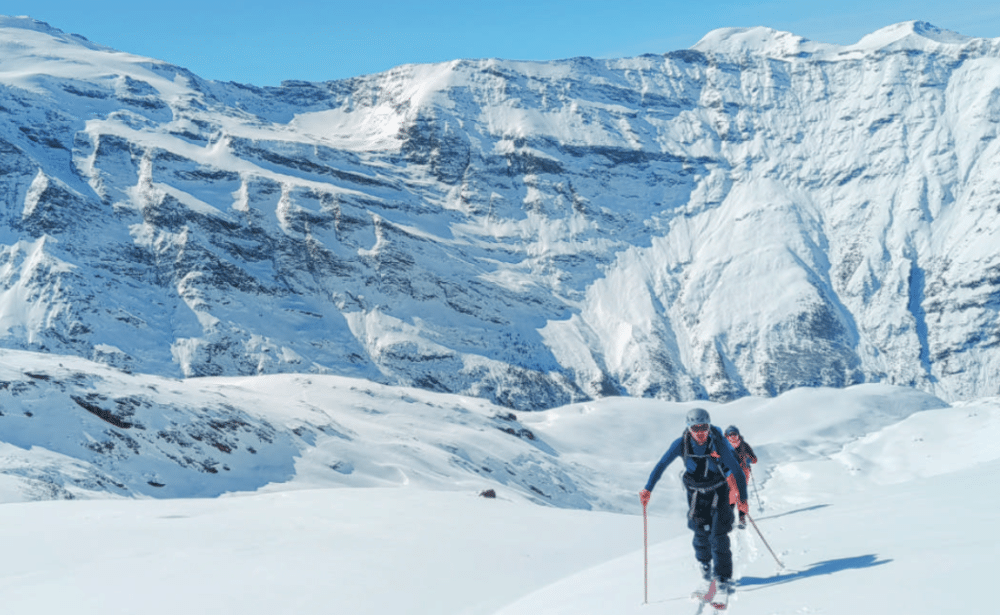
[765, 42]
[125, 435]
[760, 41]
[75, 429]
[25, 22]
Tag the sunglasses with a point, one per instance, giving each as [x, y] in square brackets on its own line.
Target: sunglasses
[699, 428]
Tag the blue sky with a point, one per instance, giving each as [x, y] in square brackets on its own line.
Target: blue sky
[263, 43]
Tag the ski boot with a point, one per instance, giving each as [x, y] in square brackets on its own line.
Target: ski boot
[724, 588]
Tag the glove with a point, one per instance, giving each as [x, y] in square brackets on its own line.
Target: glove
[743, 506]
[644, 496]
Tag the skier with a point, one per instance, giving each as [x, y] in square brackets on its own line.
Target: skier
[745, 455]
[709, 515]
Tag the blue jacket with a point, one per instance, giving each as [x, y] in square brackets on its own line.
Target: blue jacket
[717, 443]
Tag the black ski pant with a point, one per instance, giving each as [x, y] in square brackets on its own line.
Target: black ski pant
[711, 519]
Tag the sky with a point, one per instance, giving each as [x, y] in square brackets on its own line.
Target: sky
[265, 43]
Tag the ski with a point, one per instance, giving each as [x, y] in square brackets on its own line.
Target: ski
[707, 595]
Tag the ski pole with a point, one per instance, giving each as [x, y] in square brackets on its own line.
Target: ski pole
[645, 557]
[753, 482]
[754, 523]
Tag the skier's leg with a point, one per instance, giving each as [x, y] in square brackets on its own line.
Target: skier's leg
[700, 522]
[702, 543]
[722, 524]
[722, 555]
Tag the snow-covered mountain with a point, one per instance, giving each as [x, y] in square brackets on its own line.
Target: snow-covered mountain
[754, 214]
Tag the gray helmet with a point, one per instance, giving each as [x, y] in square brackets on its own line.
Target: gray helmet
[698, 416]
[732, 431]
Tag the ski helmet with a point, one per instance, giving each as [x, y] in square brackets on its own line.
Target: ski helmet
[698, 416]
[732, 431]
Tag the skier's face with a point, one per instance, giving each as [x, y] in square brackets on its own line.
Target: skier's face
[699, 433]
[734, 440]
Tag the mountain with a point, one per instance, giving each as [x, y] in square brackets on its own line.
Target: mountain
[754, 214]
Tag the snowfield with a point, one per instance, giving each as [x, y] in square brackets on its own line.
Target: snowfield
[874, 497]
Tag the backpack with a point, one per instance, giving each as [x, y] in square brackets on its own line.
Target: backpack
[702, 479]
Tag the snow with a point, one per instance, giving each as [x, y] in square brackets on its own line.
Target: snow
[348, 551]
[902, 549]
[377, 130]
[333, 494]
[909, 35]
[757, 40]
[766, 42]
[872, 496]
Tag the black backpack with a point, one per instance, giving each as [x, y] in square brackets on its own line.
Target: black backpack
[702, 479]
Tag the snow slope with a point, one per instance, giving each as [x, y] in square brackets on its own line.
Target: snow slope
[872, 496]
[897, 522]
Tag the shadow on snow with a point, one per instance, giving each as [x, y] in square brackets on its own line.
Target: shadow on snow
[817, 569]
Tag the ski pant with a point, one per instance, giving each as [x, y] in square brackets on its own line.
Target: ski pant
[711, 519]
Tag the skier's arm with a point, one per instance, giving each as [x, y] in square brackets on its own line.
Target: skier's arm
[672, 453]
[750, 455]
[728, 457]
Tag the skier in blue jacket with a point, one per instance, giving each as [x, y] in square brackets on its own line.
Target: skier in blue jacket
[708, 461]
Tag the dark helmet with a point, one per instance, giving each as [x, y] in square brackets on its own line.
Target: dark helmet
[732, 431]
[698, 416]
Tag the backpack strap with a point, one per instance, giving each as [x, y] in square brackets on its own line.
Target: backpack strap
[688, 453]
[710, 452]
